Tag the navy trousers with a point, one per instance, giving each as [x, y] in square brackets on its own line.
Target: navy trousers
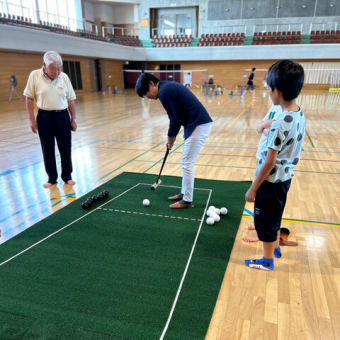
[55, 126]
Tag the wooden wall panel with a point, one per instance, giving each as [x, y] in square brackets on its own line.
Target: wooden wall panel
[228, 74]
[21, 65]
[112, 73]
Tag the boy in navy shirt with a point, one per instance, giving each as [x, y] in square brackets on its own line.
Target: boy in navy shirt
[276, 159]
[183, 108]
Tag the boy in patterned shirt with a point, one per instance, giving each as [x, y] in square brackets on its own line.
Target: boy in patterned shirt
[263, 129]
[277, 159]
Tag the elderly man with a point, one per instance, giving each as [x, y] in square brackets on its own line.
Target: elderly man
[54, 97]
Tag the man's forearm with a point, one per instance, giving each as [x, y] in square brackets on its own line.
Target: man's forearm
[30, 108]
[72, 110]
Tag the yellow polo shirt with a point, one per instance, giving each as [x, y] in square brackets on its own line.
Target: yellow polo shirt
[49, 94]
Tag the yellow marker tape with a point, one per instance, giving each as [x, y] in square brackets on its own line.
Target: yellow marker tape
[320, 224]
[234, 120]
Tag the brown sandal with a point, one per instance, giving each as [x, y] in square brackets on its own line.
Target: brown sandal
[181, 205]
[176, 197]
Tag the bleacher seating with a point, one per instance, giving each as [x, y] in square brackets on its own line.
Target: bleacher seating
[47, 26]
[325, 37]
[177, 40]
[276, 38]
[221, 39]
[127, 40]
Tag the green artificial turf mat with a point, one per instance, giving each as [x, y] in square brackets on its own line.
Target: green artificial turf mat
[114, 271]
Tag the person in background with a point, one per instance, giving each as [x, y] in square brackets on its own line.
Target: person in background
[250, 83]
[56, 118]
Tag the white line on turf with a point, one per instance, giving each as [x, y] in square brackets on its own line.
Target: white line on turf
[66, 226]
[185, 271]
[146, 214]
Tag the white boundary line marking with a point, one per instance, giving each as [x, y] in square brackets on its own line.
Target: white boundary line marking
[56, 232]
[185, 270]
[147, 214]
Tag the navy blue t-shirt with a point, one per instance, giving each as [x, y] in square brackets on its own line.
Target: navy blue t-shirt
[182, 107]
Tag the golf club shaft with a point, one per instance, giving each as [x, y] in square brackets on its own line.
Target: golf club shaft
[165, 157]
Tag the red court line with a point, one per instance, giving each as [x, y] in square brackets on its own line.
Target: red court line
[221, 155]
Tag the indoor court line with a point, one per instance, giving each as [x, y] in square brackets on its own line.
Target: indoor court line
[233, 146]
[126, 163]
[310, 139]
[292, 220]
[251, 156]
[160, 160]
[235, 119]
[66, 226]
[170, 153]
[247, 167]
[210, 165]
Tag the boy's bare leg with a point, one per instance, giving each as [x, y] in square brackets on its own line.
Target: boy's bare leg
[278, 239]
[268, 249]
[277, 250]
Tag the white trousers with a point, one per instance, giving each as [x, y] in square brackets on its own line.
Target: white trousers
[192, 147]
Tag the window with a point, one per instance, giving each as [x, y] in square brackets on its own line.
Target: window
[177, 21]
[63, 12]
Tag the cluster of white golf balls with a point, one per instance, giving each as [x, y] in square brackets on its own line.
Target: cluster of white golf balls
[214, 213]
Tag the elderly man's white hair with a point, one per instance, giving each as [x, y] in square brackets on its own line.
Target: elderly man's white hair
[52, 57]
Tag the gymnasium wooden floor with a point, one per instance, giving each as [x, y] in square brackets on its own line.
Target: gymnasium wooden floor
[301, 298]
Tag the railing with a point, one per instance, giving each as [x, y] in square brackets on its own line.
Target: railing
[121, 31]
[315, 26]
[73, 24]
[224, 29]
[278, 27]
[173, 31]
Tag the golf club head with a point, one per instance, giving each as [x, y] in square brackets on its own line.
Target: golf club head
[155, 185]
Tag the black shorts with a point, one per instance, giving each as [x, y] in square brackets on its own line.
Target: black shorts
[270, 202]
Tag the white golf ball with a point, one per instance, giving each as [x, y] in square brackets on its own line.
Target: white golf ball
[216, 217]
[146, 202]
[209, 212]
[210, 221]
[217, 211]
[211, 207]
[224, 211]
